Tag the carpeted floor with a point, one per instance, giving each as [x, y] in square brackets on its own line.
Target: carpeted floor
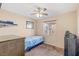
[43, 50]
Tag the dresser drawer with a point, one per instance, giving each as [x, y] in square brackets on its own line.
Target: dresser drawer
[3, 48]
[12, 48]
[20, 47]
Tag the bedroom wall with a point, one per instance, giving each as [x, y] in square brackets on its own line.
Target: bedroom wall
[78, 22]
[66, 21]
[20, 29]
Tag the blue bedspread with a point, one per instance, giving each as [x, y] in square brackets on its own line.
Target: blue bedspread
[32, 41]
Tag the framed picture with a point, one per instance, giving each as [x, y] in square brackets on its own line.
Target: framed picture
[29, 25]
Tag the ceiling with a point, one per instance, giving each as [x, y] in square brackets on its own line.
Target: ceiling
[26, 9]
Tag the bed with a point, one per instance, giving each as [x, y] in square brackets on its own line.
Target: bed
[33, 41]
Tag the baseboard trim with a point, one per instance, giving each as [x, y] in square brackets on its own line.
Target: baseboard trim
[61, 50]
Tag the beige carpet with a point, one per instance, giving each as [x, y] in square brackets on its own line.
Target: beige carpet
[43, 50]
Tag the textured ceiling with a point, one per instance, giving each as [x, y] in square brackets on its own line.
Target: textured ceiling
[26, 9]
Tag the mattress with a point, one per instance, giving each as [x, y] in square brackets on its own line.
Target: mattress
[32, 41]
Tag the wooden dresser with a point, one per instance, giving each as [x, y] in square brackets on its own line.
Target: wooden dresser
[11, 45]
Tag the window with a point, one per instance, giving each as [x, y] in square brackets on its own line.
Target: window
[29, 25]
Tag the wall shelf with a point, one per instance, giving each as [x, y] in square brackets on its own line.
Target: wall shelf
[6, 24]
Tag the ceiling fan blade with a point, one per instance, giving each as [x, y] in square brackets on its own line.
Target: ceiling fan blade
[45, 9]
[39, 8]
[33, 13]
[36, 11]
[44, 14]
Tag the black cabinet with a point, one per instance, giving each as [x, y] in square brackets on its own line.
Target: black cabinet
[70, 44]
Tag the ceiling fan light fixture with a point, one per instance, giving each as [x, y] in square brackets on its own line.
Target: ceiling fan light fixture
[40, 12]
[39, 15]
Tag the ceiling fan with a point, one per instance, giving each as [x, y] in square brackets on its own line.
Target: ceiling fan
[39, 12]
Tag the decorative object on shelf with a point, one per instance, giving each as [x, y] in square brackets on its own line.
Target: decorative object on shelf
[40, 12]
[29, 24]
